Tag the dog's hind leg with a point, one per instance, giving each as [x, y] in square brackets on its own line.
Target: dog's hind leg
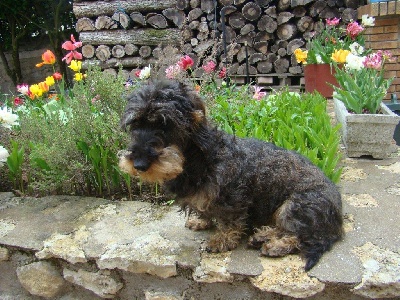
[314, 219]
[274, 242]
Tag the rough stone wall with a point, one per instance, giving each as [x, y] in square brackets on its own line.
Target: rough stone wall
[67, 247]
[30, 73]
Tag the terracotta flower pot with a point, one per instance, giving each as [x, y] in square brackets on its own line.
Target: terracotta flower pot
[317, 78]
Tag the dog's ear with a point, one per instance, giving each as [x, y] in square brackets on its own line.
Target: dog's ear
[130, 115]
[135, 106]
[127, 120]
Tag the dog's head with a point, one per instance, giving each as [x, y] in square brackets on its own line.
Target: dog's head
[162, 118]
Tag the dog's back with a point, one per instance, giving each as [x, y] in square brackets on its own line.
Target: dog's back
[275, 174]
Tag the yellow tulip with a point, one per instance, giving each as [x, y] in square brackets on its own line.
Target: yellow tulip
[301, 56]
[75, 65]
[36, 90]
[78, 76]
[50, 80]
[340, 55]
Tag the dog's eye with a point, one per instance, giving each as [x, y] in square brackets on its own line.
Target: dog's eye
[134, 124]
[154, 144]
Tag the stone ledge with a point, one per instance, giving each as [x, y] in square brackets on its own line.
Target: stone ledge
[99, 249]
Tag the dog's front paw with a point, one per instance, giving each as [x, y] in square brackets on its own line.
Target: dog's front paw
[224, 241]
[196, 223]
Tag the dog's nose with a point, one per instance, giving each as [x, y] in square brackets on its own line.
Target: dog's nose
[140, 165]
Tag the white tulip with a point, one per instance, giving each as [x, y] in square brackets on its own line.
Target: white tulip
[3, 155]
[7, 118]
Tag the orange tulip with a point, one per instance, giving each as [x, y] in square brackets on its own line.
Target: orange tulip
[43, 86]
[48, 59]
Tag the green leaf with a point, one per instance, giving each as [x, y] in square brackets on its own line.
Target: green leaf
[42, 164]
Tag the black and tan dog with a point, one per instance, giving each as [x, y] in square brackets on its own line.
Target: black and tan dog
[238, 184]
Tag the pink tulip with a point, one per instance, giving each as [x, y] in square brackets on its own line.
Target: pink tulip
[354, 29]
[209, 67]
[173, 71]
[374, 61]
[186, 62]
[258, 94]
[333, 22]
[72, 46]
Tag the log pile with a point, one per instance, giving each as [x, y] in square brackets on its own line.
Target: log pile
[259, 36]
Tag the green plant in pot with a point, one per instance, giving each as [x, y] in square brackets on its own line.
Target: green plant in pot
[330, 46]
[367, 123]
[362, 85]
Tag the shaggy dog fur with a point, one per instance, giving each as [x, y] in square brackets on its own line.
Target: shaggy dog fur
[238, 184]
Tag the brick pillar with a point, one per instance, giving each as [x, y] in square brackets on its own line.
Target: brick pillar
[385, 35]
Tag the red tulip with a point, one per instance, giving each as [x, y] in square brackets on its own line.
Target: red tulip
[222, 73]
[18, 101]
[57, 76]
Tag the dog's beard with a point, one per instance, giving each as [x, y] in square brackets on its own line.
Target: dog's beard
[167, 166]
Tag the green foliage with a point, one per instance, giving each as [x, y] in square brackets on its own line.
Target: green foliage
[76, 140]
[324, 44]
[14, 163]
[103, 164]
[289, 120]
[361, 90]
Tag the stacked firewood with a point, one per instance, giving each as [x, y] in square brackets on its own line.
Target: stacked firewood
[250, 37]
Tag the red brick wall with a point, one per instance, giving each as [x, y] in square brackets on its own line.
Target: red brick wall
[385, 35]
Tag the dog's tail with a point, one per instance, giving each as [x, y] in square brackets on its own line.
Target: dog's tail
[313, 252]
[317, 222]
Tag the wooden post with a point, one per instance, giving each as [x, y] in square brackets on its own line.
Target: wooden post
[224, 44]
[247, 63]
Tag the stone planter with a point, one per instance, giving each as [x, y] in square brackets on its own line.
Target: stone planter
[394, 106]
[367, 134]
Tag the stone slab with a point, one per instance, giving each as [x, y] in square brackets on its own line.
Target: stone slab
[147, 247]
